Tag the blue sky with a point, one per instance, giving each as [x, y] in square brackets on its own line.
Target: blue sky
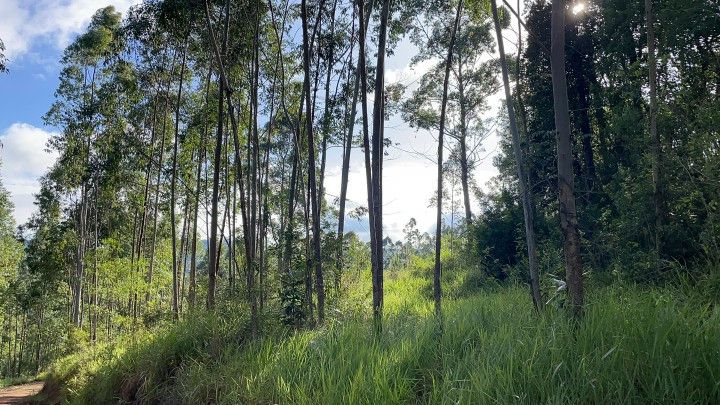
[36, 31]
[28, 91]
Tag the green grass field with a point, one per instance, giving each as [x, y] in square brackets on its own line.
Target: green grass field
[633, 346]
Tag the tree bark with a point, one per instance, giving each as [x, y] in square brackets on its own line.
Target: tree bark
[525, 191]
[377, 155]
[314, 204]
[161, 155]
[348, 145]
[217, 159]
[465, 178]
[366, 150]
[566, 186]
[308, 263]
[326, 113]
[344, 175]
[138, 241]
[82, 224]
[173, 183]
[462, 142]
[654, 136]
[192, 289]
[95, 278]
[437, 288]
[224, 90]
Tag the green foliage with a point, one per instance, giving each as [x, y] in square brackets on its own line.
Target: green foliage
[292, 298]
[6, 382]
[496, 235]
[607, 83]
[11, 252]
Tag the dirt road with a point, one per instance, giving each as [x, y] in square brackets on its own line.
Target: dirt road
[19, 394]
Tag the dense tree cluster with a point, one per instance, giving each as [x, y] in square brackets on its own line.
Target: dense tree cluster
[644, 153]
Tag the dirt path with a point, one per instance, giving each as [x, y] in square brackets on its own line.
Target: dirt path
[19, 394]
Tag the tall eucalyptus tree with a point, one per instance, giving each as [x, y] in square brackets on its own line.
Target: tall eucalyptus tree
[566, 181]
[437, 289]
[525, 191]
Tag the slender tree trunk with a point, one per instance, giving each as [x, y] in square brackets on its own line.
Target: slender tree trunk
[222, 94]
[256, 182]
[377, 155]
[184, 246]
[262, 262]
[15, 346]
[161, 155]
[348, 141]
[654, 136]
[465, 179]
[344, 175]
[80, 261]
[247, 234]
[286, 223]
[22, 340]
[265, 217]
[437, 289]
[462, 142]
[566, 186]
[212, 250]
[525, 191]
[286, 233]
[289, 229]
[314, 203]
[82, 222]
[173, 183]
[40, 341]
[193, 252]
[328, 104]
[308, 262]
[138, 243]
[368, 167]
[95, 278]
[233, 238]
[292, 191]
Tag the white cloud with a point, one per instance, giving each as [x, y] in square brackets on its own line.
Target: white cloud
[24, 159]
[408, 186]
[24, 22]
[409, 74]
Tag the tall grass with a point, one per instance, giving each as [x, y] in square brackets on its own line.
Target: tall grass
[636, 346]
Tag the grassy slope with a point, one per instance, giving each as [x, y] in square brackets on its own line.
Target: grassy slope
[632, 346]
